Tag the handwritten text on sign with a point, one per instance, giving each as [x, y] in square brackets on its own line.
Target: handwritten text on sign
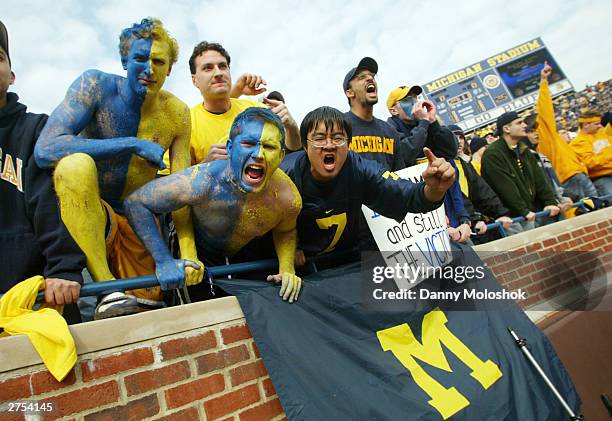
[420, 240]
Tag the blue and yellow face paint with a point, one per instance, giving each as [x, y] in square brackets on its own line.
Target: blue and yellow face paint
[148, 65]
[407, 103]
[255, 153]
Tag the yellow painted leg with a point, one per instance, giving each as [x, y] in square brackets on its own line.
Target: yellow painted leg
[76, 185]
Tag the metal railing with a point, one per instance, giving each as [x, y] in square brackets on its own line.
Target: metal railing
[580, 204]
[106, 287]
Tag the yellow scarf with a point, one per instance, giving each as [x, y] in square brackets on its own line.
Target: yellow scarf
[46, 327]
[463, 183]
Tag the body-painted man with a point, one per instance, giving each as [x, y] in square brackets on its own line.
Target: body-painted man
[232, 201]
[106, 139]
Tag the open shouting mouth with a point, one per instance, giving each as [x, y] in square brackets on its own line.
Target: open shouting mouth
[329, 162]
[254, 174]
[371, 88]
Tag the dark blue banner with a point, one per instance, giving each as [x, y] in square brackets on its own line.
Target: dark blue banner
[331, 357]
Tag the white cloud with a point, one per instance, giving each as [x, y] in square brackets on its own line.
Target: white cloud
[304, 49]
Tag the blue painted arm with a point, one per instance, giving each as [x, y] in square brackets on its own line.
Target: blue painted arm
[162, 195]
[84, 97]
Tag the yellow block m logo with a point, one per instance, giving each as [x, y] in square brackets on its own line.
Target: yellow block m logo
[402, 343]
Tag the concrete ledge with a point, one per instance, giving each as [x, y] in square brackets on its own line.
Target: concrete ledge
[112, 333]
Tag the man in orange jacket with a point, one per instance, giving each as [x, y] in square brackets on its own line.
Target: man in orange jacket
[571, 170]
[593, 145]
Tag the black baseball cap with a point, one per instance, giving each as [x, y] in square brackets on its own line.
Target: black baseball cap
[367, 63]
[505, 118]
[456, 129]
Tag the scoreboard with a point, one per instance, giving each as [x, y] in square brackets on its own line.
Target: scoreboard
[476, 95]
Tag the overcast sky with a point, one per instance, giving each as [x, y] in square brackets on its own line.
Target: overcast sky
[304, 49]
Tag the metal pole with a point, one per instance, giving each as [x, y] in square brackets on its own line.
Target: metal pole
[522, 344]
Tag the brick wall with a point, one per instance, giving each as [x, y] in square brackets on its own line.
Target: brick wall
[197, 363]
[551, 266]
[213, 373]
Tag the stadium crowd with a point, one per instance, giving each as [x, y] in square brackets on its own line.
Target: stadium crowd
[85, 187]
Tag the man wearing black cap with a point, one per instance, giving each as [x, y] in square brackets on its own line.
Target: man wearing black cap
[511, 170]
[34, 239]
[416, 121]
[372, 138]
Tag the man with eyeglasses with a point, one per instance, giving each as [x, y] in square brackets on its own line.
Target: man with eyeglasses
[334, 182]
[416, 121]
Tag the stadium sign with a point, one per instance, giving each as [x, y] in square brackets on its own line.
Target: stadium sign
[477, 94]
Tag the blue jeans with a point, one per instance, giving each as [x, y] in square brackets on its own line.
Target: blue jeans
[579, 186]
[603, 185]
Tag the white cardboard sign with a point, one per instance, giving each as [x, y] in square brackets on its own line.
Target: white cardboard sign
[419, 241]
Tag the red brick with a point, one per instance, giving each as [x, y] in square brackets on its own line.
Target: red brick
[589, 237]
[43, 382]
[248, 372]
[504, 267]
[509, 277]
[15, 388]
[195, 390]
[590, 228]
[503, 256]
[602, 224]
[133, 410]
[542, 264]
[191, 345]
[549, 242]
[230, 402]
[526, 270]
[578, 233]
[149, 380]
[560, 247]
[534, 289]
[83, 399]
[185, 414]
[265, 411]
[256, 351]
[548, 293]
[215, 361]
[521, 283]
[268, 387]
[113, 364]
[235, 334]
[563, 237]
[534, 247]
[12, 416]
[553, 281]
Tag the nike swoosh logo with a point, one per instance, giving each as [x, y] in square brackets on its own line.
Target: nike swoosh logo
[326, 212]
